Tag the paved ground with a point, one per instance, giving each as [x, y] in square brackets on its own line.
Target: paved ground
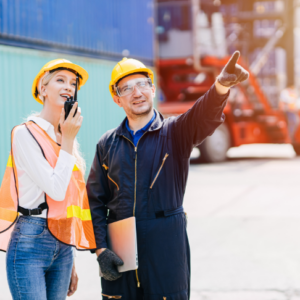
[244, 229]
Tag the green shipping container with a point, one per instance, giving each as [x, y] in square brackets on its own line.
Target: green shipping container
[19, 67]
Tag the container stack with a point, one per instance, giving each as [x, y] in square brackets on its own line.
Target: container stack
[94, 34]
[250, 25]
[174, 29]
[272, 76]
[297, 48]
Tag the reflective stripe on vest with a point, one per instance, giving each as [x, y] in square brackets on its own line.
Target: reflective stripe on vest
[70, 220]
[77, 212]
[9, 162]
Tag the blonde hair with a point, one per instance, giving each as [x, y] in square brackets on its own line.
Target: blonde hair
[80, 162]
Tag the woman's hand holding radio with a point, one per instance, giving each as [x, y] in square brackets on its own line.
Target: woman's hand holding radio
[70, 127]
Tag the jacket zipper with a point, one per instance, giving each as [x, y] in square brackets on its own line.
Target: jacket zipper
[113, 181]
[135, 180]
[163, 162]
[112, 297]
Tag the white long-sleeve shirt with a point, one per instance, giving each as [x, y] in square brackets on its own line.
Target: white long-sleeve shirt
[35, 175]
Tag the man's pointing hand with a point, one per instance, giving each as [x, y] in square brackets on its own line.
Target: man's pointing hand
[232, 73]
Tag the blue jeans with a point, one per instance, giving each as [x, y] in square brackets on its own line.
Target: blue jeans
[38, 266]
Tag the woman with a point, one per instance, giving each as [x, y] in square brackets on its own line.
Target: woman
[46, 187]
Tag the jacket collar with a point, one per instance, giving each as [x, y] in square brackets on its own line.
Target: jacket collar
[45, 125]
[156, 125]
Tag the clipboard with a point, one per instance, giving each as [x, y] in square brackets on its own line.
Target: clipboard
[122, 240]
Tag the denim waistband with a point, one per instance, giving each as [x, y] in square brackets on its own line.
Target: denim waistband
[33, 220]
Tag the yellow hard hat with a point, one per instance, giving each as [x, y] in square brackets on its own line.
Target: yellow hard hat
[126, 67]
[55, 64]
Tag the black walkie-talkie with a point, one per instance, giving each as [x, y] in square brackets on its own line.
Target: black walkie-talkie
[70, 102]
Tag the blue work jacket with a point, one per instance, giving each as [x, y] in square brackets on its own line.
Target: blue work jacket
[148, 181]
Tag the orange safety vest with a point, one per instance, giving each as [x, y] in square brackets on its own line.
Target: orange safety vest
[69, 221]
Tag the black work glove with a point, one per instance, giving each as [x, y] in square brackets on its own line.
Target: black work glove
[108, 262]
[233, 73]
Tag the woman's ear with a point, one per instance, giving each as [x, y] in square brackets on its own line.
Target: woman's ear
[43, 91]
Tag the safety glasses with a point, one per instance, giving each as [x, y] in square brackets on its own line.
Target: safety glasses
[142, 84]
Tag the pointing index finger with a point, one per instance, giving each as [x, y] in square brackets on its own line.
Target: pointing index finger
[230, 67]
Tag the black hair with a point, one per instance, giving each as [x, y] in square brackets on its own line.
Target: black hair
[63, 68]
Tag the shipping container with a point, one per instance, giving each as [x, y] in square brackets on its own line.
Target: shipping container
[275, 64]
[19, 67]
[268, 6]
[264, 28]
[297, 48]
[175, 33]
[272, 76]
[174, 29]
[97, 28]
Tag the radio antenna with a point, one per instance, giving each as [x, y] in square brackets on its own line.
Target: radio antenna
[75, 94]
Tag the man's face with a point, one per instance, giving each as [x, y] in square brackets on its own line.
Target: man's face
[140, 101]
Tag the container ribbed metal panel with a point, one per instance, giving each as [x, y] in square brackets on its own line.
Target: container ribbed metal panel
[18, 69]
[98, 28]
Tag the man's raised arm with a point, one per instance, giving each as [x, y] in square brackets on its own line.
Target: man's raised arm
[192, 127]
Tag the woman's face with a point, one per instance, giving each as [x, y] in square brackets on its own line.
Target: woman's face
[60, 87]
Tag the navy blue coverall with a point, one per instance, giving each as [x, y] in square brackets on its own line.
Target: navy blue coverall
[149, 181]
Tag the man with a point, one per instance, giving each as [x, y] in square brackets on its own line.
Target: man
[140, 169]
